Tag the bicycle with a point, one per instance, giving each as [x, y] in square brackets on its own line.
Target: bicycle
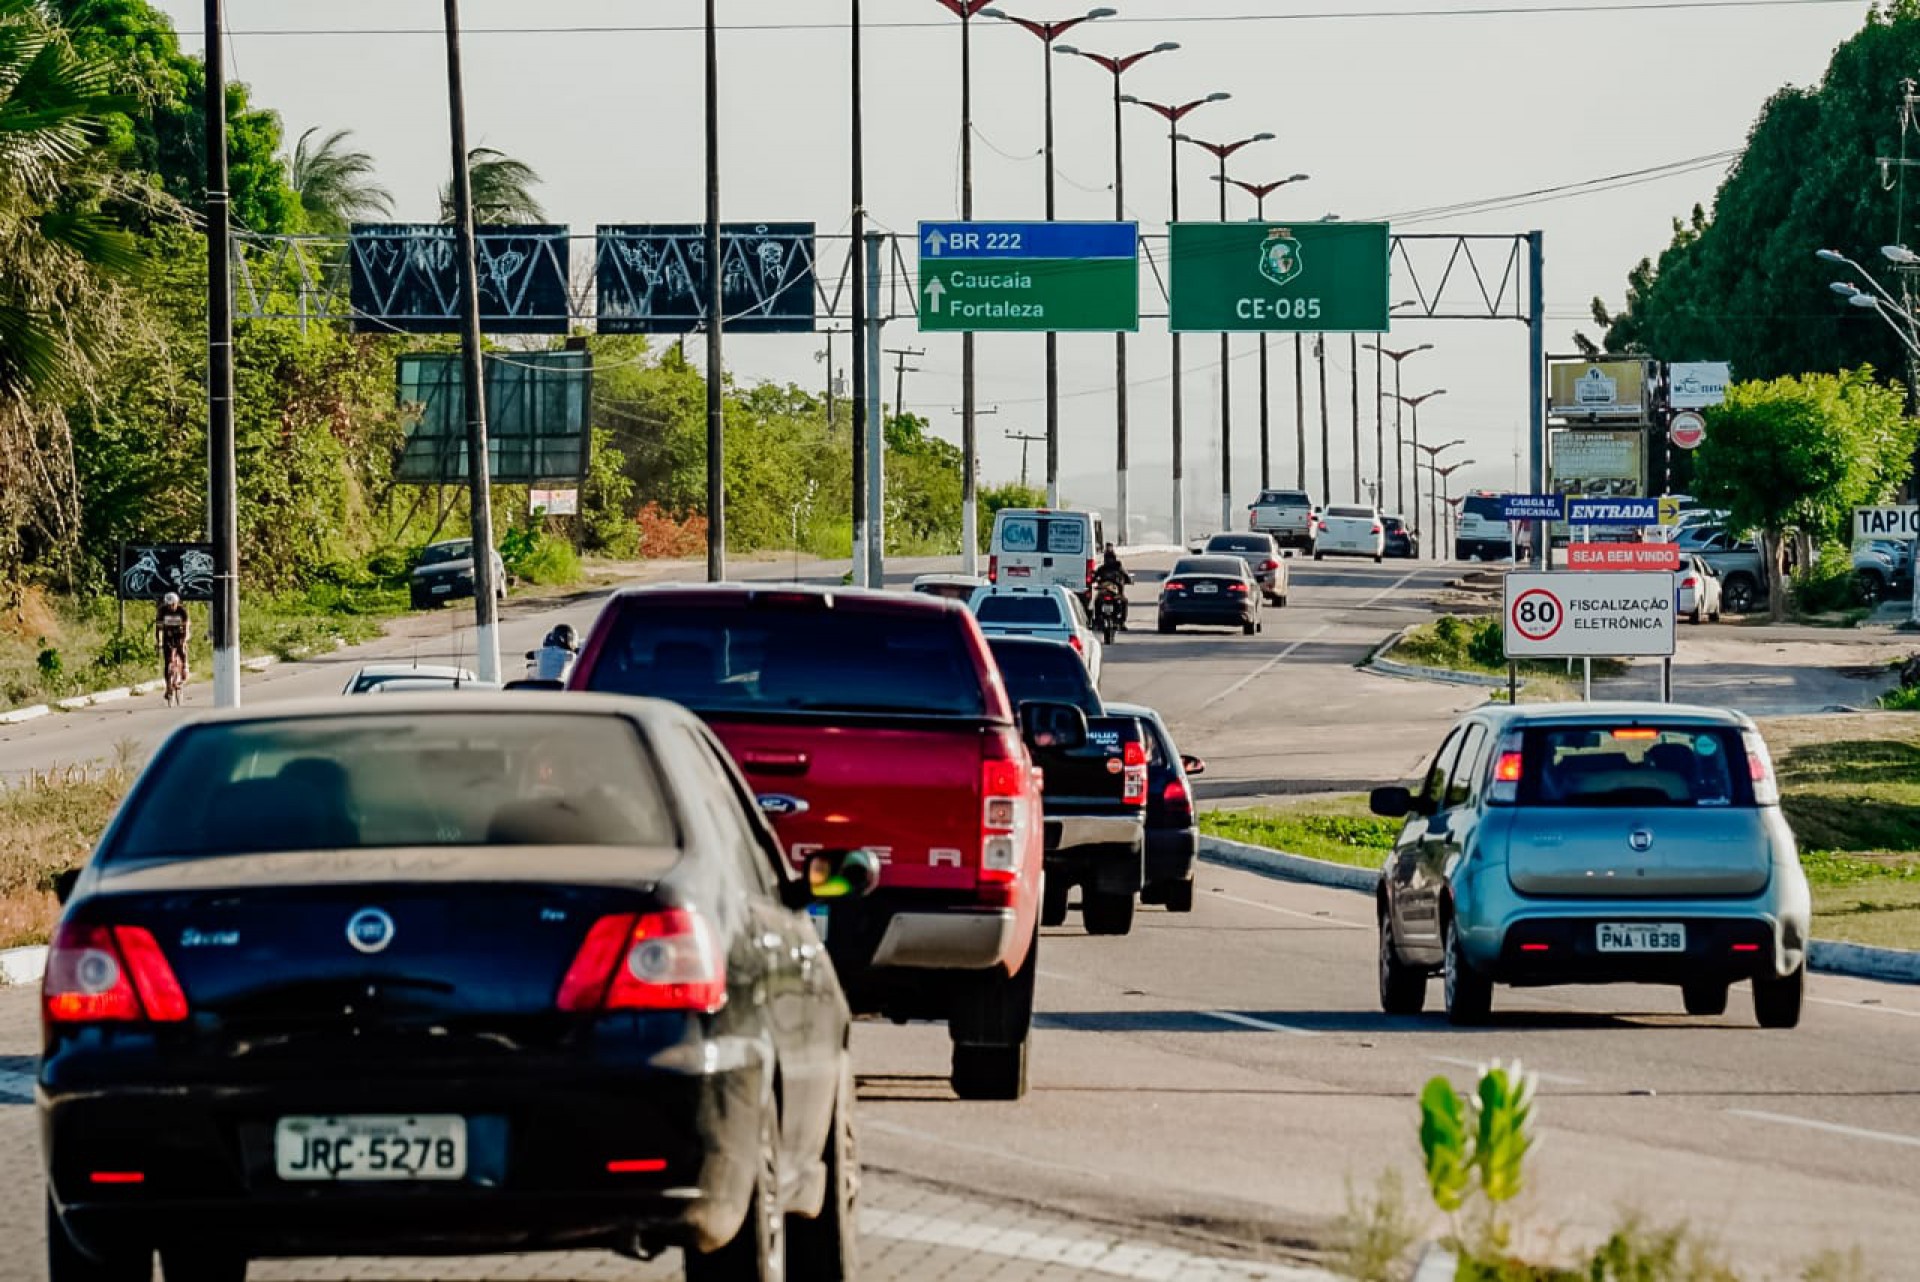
[176, 676]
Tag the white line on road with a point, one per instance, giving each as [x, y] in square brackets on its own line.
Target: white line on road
[1264, 1025]
[1862, 1006]
[1552, 1079]
[1315, 635]
[1832, 1128]
[1295, 912]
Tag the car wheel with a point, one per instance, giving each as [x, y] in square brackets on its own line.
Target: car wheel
[1704, 997]
[1776, 1000]
[1053, 903]
[68, 1263]
[1249, 628]
[425, 602]
[991, 1026]
[1694, 618]
[1283, 601]
[1177, 896]
[192, 1264]
[1165, 628]
[1107, 912]
[1378, 557]
[1738, 594]
[758, 1251]
[1469, 994]
[828, 1245]
[1869, 588]
[1319, 556]
[1403, 989]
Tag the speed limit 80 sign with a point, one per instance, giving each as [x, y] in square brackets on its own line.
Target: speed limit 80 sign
[1574, 615]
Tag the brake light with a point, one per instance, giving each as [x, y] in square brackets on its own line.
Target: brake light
[1766, 789]
[1241, 588]
[1178, 800]
[1648, 735]
[1269, 564]
[1003, 820]
[1509, 768]
[1134, 769]
[1074, 640]
[1175, 585]
[1092, 565]
[993, 569]
[1689, 582]
[1378, 530]
[665, 960]
[100, 974]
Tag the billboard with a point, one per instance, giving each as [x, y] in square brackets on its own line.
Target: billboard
[1599, 464]
[148, 571]
[405, 279]
[537, 418]
[1696, 385]
[1598, 390]
[652, 278]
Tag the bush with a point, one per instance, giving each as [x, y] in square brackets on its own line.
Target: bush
[551, 562]
[1489, 644]
[1827, 586]
[664, 536]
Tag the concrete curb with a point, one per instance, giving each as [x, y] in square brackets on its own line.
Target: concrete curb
[1378, 662]
[118, 693]
[1833, 957]
[30, 713]
[21, 966]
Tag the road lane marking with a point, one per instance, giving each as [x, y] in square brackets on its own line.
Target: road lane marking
[1295, 912]
[980, 1150]
[1832, 1128]
[1552, 1079]
[1315, 635]
[1264, 1025]
[1862, 1006]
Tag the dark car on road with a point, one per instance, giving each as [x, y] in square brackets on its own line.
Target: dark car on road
[444, 572]
[1401, 541]
[1210, 591]
[417, 977]
[1173, 833]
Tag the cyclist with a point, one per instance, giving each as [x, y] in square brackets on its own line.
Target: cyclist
[172, 631]
[1112, 571]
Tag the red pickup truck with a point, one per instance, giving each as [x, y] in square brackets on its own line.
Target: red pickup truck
[876, 721]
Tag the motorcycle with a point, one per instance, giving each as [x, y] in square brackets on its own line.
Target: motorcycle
[1109, 608]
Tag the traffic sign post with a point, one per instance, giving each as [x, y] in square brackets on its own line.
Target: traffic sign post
[1687, 430]
[1325, 278]
[1029, 277]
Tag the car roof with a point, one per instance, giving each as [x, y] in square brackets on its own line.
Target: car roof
[1139, 710]
[853, 600]
[479, 703]
[408, 669]
[1212, 564]
[973, 580]
[1023, 589]
[1601, 713]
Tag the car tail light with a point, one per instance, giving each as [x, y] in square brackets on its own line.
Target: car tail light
[100, 974]
[1134, 767]
[1073, 640]
[1175, 585]
[1746, 948]
[1269, 564]
[1241, 588]
[1092, 565]
[1178, 801]
[665, 960]
[1378, 530]
[1766, 789]
[1003, 820]
[1509, 767]
[993, 569]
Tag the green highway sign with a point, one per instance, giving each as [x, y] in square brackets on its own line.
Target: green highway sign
[1323, 277]
[1029, 277]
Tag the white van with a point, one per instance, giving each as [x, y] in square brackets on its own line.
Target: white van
[1033, 546]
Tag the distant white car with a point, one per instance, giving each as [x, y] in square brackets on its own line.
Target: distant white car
[1696, 593]
[954, 587]
[375, 677]
[1350, 530]
[1046, 611]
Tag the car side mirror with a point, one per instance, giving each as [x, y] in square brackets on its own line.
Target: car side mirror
[831, 875]
[1053, 725]
[1192, 764]
[1391, 803]
[63, 884]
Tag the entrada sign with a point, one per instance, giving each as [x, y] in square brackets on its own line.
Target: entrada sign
[1613, 512]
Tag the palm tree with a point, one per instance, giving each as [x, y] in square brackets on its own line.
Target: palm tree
[335, 186]
[502, 190]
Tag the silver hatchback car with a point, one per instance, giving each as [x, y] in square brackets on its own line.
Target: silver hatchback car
[1591, 844]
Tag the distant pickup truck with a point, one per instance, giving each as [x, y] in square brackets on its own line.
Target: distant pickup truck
[1736, 563]
[1096, 794]
[1285, 514]
[875, 721]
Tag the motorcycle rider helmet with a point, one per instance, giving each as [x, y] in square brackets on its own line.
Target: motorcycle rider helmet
[564, 637]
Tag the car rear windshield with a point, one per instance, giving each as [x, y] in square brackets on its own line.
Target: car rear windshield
[1056, 536]
[755, 659]
[1031, 611]
[1240, 543]
[1232, 567]
[1285, 498]
[1484, 506]
[1353, 513]
[1045, 671]
[1639, 766]
[382, 780]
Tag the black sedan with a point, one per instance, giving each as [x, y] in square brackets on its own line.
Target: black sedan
[1173, 834]
[1214, 591]
[410, 976]
[1401, 541]
[444, 572]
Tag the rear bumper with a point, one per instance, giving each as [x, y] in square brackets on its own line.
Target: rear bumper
[1348, 549]
[1559, 945]
[947, 941]
[1114, 865]
[540, 1136]
[1172, 854]
[1224, 613]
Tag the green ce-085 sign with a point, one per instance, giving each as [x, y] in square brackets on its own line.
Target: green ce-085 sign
[1278, 277]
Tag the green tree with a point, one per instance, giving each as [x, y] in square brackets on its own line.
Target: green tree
[335, 185]
[1798, 454]
[502, 190]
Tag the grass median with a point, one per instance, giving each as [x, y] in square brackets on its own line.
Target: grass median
[1850, 787]
[1476, 646]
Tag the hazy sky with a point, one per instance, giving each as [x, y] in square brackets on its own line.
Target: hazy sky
[1389, 111]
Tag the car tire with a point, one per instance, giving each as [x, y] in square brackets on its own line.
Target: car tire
[1469, 994]
[1319, 556]
[758, 1251]
[1403, 989]
[1704, 997]
[1777, 1000]
[827, 1246]
[1713, 616]
[1107, 912]
[1177, 896]
[1249, 628]
[1738, 594]
[991, 1027]
[1166, 629]
[68, 1263]
[1053, 903]
[1694, 618]
[425, 602]
[192, 1264]
[1378, 557]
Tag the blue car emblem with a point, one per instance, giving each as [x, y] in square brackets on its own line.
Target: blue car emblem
[370, 930]
[1641, 840]
[780, 806]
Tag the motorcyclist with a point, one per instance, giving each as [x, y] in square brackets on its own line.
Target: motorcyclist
[1112, 572]
[556, 654]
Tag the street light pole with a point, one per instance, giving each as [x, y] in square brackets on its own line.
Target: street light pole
[1118, 67]
[861, 516]
[223, 525]
[1399, 436]
[1260, 192]
[716, 324]
[1174, 114]
[1433, 453]
[1414, 403]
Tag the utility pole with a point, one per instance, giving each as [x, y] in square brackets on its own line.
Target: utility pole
[835, 388]
[486, 640]
[1025, 439]
[1300, 410]
[859, 252]
[716, 324]
[900, 371]
[223, 499]
[876, 428]
[1353, 374]
[1326, 426]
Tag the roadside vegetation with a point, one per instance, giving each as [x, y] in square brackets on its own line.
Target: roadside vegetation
[1476, 645]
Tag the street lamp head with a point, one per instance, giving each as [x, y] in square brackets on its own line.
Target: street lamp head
[1299, 178]
[1830, 255]
[1129, 98]
[995, 13]
[1859, 299]
[1067, 49]
[1427, 347]
[1216, 97]
[1261, 137]
[1100, 13]
[1843, 289]
[1900, 255]
[1165, 46]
